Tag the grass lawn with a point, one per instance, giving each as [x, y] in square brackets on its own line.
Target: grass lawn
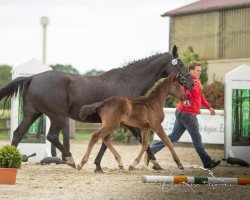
[80, 135]
[4, 135]
[83, 135]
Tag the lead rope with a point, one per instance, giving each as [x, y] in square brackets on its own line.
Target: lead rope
[179, 115]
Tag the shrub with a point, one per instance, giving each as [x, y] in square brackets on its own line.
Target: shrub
[124, 136]
[214, 93]
[10, 157]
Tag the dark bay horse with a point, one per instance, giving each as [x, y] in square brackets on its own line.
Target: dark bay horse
[145, 113]
[59, 95]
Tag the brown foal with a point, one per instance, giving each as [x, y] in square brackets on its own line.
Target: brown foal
[145, 113]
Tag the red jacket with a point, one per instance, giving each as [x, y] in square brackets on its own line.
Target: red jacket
[196, 99]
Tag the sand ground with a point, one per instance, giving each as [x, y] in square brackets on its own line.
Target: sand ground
[35, 181]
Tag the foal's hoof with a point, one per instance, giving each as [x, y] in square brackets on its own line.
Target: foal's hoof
[79, 167]
[121, 166]
[130, 167]
[180, 166]
[157, 167]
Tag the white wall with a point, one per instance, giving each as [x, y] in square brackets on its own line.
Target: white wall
[211, 127]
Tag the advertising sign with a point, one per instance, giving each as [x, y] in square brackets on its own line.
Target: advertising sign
[237, 118]
[211, 127]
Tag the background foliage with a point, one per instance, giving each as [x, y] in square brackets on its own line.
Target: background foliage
[189, 55]
[214, 93]
[5, 77]
[65, 68]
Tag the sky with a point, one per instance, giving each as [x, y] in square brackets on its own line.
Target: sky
[87, 34]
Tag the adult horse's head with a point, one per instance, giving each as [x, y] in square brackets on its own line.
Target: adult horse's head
[174, 64]
[185, 78]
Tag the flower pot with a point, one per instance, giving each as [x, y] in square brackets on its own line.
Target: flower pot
[8, 176]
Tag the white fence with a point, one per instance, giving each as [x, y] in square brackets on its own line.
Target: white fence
[211, 127]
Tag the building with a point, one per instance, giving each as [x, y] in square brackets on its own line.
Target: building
[219, 31]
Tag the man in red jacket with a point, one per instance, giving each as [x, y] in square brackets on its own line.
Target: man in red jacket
[186, 119]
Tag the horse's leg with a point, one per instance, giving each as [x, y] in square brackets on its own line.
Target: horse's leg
[66, 144]
[137, 133]
[144, 138]
[99, 157]
[158, 129]
[94, 138]
[53, 137]
[66, 136]
[28, 119]
[108, 143]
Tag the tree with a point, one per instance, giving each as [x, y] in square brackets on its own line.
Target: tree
[65, 68]
[5, 74]
[5, 77]
[188, 56]
[94, 72]
[214, 93]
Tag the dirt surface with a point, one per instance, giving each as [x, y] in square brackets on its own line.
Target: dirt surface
[35, 181]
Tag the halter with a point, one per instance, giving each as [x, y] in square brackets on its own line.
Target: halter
[182, 76]
[182, 80]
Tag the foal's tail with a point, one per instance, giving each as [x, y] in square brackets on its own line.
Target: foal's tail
[11, 89]
[91, 109]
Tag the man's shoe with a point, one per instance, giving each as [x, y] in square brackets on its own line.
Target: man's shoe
[213, 165]
[146, 159]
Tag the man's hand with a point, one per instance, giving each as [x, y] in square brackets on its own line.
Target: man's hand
[212, 112]
[186, 103]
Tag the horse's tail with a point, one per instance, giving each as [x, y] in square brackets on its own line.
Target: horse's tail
[11, 89]
[91, 109]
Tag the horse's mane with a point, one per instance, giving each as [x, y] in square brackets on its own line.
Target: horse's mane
[138, 63]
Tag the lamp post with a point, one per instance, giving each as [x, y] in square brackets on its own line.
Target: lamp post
[44, 22]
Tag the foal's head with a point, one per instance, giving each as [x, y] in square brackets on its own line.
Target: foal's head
[175, 87]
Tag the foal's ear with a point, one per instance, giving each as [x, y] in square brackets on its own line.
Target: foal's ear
[174, 51]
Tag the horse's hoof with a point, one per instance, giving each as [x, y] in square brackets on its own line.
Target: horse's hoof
[157, 167]
[98, 170]
[130, 167]
[71, 165]
[70, 162]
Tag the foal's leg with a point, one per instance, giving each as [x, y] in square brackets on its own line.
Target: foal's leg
[108, 143]
[137, 133]
[158, 129]
[144, 138]
[94, 138]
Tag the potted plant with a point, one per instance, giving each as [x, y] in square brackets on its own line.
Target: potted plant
[10, 161]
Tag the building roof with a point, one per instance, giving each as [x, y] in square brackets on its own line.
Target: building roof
[207, 5]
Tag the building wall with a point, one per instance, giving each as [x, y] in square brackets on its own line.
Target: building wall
[218, 68]
[199, 31]
[213, 35]
[217, 36]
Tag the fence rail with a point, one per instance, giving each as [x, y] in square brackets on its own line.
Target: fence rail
[87, 126]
